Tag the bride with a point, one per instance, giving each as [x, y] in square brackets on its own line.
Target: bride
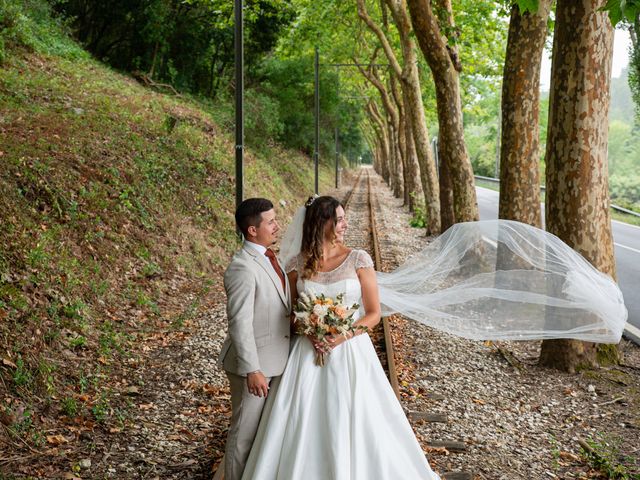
[490, 280]
[342, 420]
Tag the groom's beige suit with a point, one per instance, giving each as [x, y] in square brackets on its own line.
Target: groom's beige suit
[258, 310]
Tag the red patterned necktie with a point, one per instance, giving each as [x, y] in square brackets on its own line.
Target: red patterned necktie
[274, 263]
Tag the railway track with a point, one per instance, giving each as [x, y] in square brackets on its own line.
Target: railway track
[364, 233]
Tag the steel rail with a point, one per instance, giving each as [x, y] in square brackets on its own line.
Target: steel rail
[377, 260]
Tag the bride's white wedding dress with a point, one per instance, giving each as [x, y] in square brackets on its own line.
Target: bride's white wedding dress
[337, 422]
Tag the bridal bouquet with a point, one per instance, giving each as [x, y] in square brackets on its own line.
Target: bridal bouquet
[319, 315]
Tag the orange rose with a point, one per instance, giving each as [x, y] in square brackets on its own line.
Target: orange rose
[341, 312]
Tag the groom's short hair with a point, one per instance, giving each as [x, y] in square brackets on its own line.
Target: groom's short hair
[249, 212]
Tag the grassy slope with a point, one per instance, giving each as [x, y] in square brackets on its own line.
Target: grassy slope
[115, 204]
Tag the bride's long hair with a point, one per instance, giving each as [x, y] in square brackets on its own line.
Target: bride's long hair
[320, 210]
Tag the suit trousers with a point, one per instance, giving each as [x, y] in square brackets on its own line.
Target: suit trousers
[246, 410]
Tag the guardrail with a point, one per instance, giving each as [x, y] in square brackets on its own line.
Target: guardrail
[615, 207]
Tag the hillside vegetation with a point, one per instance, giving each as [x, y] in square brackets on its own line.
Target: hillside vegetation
[116, 221]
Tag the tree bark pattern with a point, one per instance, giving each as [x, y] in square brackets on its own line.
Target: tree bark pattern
[520, 144]
[410, 80]
[577, 200]
[452, 148]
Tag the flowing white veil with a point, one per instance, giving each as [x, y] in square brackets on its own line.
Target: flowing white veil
[292, 239]
[497, 280]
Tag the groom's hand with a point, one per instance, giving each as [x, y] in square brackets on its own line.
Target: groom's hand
[257, 384]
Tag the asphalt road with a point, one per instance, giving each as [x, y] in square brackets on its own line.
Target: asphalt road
[626, 239]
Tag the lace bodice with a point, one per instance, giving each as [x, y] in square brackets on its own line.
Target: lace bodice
[342, 279]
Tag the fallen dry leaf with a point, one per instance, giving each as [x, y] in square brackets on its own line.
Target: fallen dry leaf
[436, 450]
[56, 439]
[569, 456]
[8, 363]
[206, 388]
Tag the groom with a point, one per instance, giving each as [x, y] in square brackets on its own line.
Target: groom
[255, 351]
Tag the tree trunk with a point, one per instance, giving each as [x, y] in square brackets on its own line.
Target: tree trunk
[393, 121]
[398, 187]
[412, 94]
[402, 138]
[519, 151]
[153, 62]
[447, 215]
[444, 64]
[411, 165]
[415, 109]
[577, 200]
[377, 154]
[381, 130]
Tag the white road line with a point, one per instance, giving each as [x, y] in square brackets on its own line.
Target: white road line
[488, 240]
[625, 224]
[628, 248]
[632, 332]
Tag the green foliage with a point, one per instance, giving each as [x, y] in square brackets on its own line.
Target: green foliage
[604, 455]
[101, 408]
[622, 10]
[22, 376]
[624, 162]
[111, 339]
[625, 190]
[188, 44]
[30, 24]
[621, 106]
[419, 218]
[286, 99]
[46, 372]
[70, 407]
[634, 73]
[481, 145]
[25, 428]
[527, 5]
[627, 13]
[113, 198]
[262, 120]
[77, 342]
[483, 28]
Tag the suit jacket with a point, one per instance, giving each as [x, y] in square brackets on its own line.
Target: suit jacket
[258, 314]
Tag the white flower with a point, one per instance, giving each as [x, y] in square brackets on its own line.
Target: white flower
[304, 298]
[320, 310]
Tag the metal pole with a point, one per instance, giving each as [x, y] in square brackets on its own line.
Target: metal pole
[337, 156]
[316, 153]
[239, 67]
